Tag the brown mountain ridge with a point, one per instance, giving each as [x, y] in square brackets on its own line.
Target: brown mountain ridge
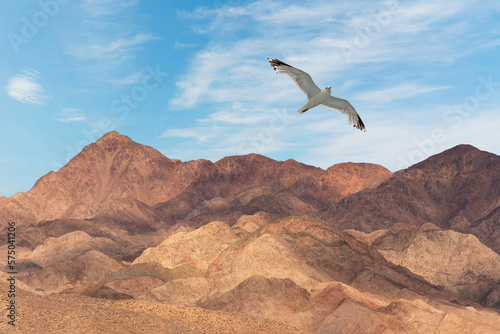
[458, 189]
[116, 186]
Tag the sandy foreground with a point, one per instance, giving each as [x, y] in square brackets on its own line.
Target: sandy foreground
[80, 314]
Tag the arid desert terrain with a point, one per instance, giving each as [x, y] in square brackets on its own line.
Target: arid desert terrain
[123, 239]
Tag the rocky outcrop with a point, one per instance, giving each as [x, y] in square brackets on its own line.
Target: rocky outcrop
[456, 261]
[89, 268]
[270, 298]
[137, 287]
[251, 223]
[309, 252]
[338, 284]
[70, 246]
[186, 291]
[197, 248]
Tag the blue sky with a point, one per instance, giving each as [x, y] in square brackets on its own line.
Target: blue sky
[191, 79]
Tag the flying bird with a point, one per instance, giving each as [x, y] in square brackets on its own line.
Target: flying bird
[317, 96]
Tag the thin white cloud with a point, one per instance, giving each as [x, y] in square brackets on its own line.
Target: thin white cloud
[401, 91]
[384, 143]
[477, 130]
[304, 14]
[242, 132]
[235, 115]
[216, 143]
[106, 40]
[71, 115]
[197, 85]
[198, 134]
[118, 49]
[128, 80]
[180, 45]
[107, 7]
[25, 88]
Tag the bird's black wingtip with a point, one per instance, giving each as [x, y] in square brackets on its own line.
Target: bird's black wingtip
[276, 62]
[360, 125]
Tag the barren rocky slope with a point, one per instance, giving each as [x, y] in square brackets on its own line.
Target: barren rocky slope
[295, 271]
[115, 173]
[316, 278]
[456, 261]
[457, 189]
[79, 314]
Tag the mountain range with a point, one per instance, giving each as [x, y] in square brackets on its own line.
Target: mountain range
[351, 247]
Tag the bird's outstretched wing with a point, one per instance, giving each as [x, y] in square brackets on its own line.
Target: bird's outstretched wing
[344, 107]
[301, 78]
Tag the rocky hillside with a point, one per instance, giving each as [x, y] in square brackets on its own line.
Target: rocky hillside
[296, 271]
[458, 189]
[112, 177]
[80, 314]
[131, 193]
[457, 262]
[285, 246]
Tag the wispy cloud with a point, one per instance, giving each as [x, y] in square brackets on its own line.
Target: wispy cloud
[107, 7]
[180, 45]
[25, 88]
[71, 115]
[401, 91]
[107, 40]
[117, 50]
[234, 115]
[198, 134]
[239, 132]
[129, 79]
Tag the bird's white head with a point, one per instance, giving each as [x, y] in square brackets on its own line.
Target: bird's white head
[328, 88]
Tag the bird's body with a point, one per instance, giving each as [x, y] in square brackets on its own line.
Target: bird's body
[317, 96]
[315, 100]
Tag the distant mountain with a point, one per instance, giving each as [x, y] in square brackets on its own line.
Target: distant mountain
[458, 189]
[118, 186]
[112, 175]
[251, 183]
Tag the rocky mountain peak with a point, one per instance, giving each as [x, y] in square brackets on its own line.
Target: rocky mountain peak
[113, 136]
[460, 156]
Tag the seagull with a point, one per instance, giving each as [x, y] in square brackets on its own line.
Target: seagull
[316, 96]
